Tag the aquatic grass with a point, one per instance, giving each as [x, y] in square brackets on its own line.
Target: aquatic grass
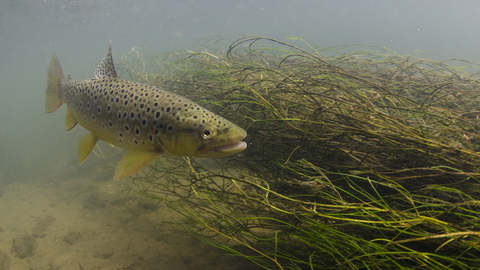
[352, 228]
[357, 159]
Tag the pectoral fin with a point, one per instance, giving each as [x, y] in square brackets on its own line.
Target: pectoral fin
[85, 146]
[70, 121]
[134, 160]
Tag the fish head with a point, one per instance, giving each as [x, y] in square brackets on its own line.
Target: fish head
[221, 142]
[208, 141]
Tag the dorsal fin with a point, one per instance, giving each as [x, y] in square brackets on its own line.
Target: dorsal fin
[106, 68]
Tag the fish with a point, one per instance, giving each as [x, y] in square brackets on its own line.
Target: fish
[143, 119]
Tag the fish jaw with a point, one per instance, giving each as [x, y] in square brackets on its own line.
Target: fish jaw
[226, 150]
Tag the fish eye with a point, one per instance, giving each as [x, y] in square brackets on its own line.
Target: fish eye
[207, 133]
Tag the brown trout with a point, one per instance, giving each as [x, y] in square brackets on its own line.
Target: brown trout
[144, 120]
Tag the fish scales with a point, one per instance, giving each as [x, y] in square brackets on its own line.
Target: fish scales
[143, 119]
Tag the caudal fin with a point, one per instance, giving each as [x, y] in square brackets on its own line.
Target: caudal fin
[55, 77]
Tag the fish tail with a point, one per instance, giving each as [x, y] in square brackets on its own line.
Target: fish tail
[55, 78]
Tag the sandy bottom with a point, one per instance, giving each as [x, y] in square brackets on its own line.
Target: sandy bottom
[87, 222]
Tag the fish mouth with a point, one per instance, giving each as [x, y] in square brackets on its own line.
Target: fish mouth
[235, 146]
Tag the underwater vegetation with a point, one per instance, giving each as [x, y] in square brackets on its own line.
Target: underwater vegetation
[358, 158]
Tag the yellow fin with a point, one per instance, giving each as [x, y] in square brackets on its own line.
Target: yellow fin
[134, 160]
[70, 121]
[85, 146]
[53, 95]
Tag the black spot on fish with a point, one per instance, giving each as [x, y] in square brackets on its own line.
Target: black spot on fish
[157, 115]
[142, 106]
[126, 102]
[132, 115]
[137, 131]
[168, 109]
[155, 104]
[135, 141]
[136, 97]
[96, 97]
[146, 94]
[119, 115]
[170, 128]
[88, 105]
[144, 122]
[185, 105]
[148, 109]
[99, 110]
[117, 100]
[110, 124]
[120, 134]
[195, 117]
[150, 137]
[109, 108]
[126, 128]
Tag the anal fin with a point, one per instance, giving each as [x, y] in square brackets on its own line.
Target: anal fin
[70, 121]
[134, 160]
[85, 146]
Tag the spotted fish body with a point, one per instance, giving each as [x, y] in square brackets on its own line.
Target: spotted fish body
[143, 119]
